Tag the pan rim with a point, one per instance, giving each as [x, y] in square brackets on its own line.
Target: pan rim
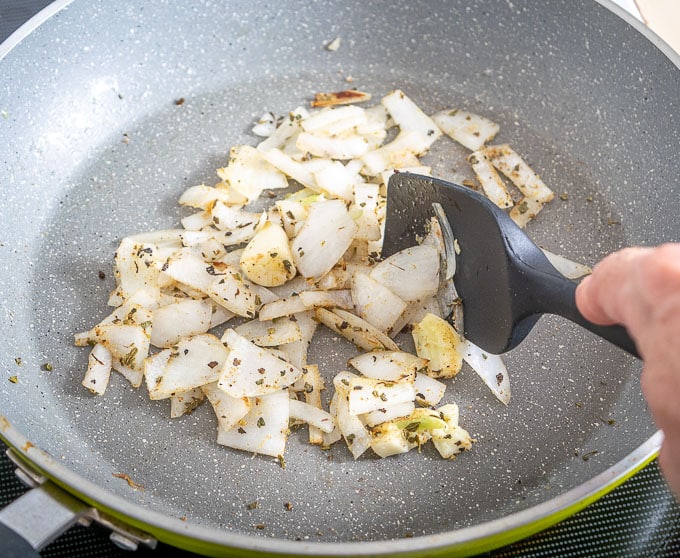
[585, 492]
[640, 27]
[482, 537]
[31, 25]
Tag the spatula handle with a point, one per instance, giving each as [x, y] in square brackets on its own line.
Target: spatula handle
[557, 295]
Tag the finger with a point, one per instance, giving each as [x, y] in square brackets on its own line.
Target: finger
[588, 303]
[607, 295]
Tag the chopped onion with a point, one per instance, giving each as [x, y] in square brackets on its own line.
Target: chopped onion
[490, 368]
[375, 303]
[440, 344]
[567, 267]
[368, 394]
[264, 429]
[491, 182]
[411, 274]
[267, 259]
[411, 119]
[318, 418]
[193, 362]
[469, 129]
[185, 402]
[323, 239]
[250, 371]
[98, 369]
[318, 249]
[356, 330]
[391, 366]
[506, 160]
[228, 410]
[180, 319]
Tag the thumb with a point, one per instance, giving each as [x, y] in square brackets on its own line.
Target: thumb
[587, 302]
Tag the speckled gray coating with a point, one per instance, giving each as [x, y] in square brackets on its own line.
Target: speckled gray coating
[590, 103]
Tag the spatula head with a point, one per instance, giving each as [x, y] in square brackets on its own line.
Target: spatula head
[498, 312]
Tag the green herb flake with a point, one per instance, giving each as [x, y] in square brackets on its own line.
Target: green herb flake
[129, 359]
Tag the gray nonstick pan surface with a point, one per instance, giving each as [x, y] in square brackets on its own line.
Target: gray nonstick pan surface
[591, 103]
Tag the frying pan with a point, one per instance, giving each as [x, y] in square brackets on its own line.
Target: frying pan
[584, 95]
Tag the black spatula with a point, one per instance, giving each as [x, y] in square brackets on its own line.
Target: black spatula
[504, 280]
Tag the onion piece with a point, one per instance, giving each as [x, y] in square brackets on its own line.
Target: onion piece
[429, 392]
[196, 221]
[249, 172]
[296, 352]
[337, 180]
[335, 436]
[230, 289]
[264, 429]
[98, 369]
[188, 267]
[314, 416]
[251, 371]
[334, 121]
[184, 403]
[228, 410]
[375, 303]
[506, 160]
[410, 118]
[368, 394]
[387, 439]
[490, 368]
[270, 333]
[193, 362]
[469, 129]
[491, 182]
[452, 439]
[354, 329]
[265, 125]
[203, 197]
[386, 414]
[569, 268]
[401, 152]
[289, 127]
[305, 300]
[282, 307]
[340, 97]
[311, 385]
[391, 366]
[267, 259]
[411, 274]
[525, 210]
[357, 438]
[228, 218]
[339, 148]
[128, 345]
[292, 213]
[290, 167]
[366, 201]
[440, 344]
[180, 319]
[415, 312]
[135, 269]
[323, 239]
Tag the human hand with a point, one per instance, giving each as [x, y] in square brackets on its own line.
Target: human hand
[640, 289]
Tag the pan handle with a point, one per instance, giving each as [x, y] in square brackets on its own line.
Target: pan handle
[38, 517]
[46, 511]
